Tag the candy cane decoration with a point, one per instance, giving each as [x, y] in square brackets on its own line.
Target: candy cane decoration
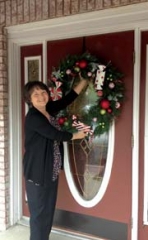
[56, 92]
[81, 126]
[100, 76]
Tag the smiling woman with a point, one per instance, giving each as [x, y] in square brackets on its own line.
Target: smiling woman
[39, 99]
[109, 47]
[35, 89]
[43, 158]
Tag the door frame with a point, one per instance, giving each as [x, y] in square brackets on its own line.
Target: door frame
[133, 17]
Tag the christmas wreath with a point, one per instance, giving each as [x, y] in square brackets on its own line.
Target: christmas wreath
[107, 85]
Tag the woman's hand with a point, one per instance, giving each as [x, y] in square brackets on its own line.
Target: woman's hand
[79, 135]
[81, 85]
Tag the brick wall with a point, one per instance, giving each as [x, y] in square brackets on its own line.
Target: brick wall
[13, 12]
[4, 165]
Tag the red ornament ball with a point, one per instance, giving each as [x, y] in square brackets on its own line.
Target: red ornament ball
[100, 93]
[83, 64]
[61, 120]
[104, 104]
[77, 63]
[109, 110]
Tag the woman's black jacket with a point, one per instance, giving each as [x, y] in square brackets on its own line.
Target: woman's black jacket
[39, 139]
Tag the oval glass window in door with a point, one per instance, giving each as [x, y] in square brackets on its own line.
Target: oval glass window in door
[88, 163]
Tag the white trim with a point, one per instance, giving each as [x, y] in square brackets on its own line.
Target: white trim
[132, 17]
[92, 23]
[101, 191]
[44, 61]
[145, 210]
[15, 135]
[135, 133]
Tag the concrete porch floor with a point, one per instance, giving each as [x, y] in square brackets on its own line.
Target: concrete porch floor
[20, 232]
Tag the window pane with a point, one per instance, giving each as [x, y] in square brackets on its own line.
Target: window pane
[87, 158]
[87, 164]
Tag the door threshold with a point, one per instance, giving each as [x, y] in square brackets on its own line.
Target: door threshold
[24, 221]
[75, 235]
[65, 232]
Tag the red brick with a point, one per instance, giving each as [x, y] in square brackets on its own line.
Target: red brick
[4, 172]
[3, 53]
[107, 3]
[38, 10]
[2, 37]
[3, 102]
[26, 11]
[134, 1]
[3, 74]
[2, 66]
[3, 80]
[99, 4]
[8, 13]
[59, 8]
[2, 12]
[90, 4]
[74, 6]
[124, 2]
[32, 11]
[20, 13]
[3, 130]
[2, 109]
[45, 9]
[67, 7]
[3, 87]
[14, 12]
[83, 6]
[52, 9]
[115, 2]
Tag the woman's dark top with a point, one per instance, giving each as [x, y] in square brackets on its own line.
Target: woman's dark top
[39, 139]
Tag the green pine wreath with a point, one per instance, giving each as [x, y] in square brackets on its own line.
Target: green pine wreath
[110, 95]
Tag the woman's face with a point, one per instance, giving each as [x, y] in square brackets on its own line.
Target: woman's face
[39, 98]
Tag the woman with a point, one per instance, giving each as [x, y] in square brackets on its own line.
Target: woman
[43, 154]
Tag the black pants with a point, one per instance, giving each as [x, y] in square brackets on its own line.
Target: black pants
[41, 202]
